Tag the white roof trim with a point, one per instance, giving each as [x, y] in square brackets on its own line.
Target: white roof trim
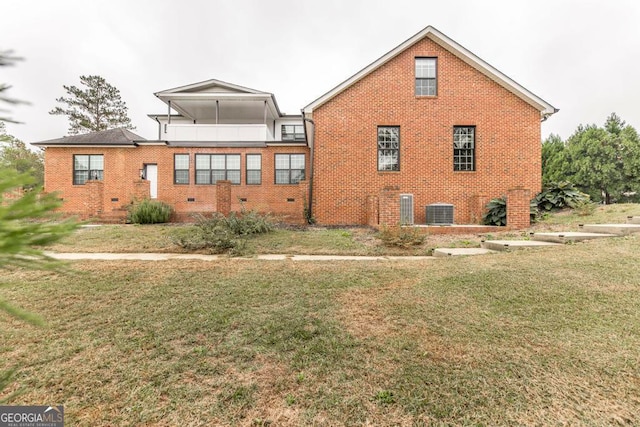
[205, 84]
[465, 55]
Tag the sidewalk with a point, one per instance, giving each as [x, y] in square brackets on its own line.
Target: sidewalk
[274, 257]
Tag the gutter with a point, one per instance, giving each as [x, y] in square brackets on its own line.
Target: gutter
[311, 156]
[159, 128]
[545, 116]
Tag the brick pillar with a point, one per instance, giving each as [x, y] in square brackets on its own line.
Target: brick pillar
[373, 211]
[390, 206]
[141, 189]
[223, 197]
[477, 207]
[95, 200]
[518, 208]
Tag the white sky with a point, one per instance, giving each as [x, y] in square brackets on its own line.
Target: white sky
[582, 56]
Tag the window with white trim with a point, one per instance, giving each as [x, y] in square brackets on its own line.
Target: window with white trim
[211, 168]
[388, 148]
[289, 168]
[181, 169]
[426, 76]
[254, 169]
[464, 148]
[87, 167]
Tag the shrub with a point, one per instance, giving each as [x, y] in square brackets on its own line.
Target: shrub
[585, 208]
[149, 211]
[496, 213]
[560, 195]
[248, 222]
[401, 237]
[219, 234]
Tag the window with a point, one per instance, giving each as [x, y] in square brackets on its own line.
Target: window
[86, 167]
[464, 148]
[254, 169]
[292, 133]
[211, 168]
[426, 77]
[388, 148]
[289, 168]
[181, 169]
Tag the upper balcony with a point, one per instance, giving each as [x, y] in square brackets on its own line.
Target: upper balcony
[219, 132]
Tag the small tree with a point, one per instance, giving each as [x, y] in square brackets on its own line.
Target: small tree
[98, 107]
[14, 154]
[553, 160]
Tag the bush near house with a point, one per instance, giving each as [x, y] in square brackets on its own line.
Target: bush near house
[220, 234]
[149, 211]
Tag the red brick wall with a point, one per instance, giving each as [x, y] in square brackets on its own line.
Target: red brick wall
[121, 182]
[507, 140]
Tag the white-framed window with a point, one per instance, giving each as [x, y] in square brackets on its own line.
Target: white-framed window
[211, 168]
[289, 168]
[388, 148]
[87, 167]
[181, 169]
[254, 169]
[464, 148]
[426, 76]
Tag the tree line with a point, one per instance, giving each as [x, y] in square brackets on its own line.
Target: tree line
[603, 162]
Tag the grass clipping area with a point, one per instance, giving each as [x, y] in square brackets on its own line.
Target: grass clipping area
[546, 337]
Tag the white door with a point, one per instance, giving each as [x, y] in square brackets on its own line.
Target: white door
[152, 176]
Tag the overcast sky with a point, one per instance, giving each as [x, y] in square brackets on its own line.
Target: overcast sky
[582, 56]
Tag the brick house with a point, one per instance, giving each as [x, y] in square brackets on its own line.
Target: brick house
[429, 125]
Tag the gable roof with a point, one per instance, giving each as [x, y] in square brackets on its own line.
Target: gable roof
[111, 137]
[209, 86]
[456, 49]
[195, 101]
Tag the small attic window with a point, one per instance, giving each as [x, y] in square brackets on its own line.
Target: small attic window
[426, 76]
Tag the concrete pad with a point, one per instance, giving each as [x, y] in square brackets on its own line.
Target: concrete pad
[633, 219]
[274, 257]
[104, 256]
[445, 252]
[336, 258]
[504, 245]
[569, 236]
[132, 257]
[619, 229]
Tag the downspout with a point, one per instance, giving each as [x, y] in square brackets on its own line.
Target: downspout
[159, 129]
[311, 156]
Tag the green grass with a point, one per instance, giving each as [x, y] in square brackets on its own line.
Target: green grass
[603, 214]
[313, 240]
[526, 338]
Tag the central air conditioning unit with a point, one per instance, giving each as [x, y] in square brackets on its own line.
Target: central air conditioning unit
[406, 209]
[440, 214]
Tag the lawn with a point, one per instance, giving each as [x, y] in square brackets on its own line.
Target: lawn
[314, 240]
[539, 337]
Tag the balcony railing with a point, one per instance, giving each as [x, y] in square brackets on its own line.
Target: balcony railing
[225, 132]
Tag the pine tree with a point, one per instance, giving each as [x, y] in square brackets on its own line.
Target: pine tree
[605, 161]
[95, 108]
[7, 59]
